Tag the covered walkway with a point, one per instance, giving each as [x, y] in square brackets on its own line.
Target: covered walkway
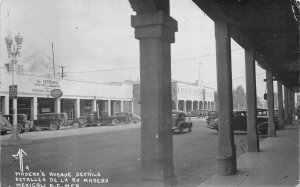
[277, 164]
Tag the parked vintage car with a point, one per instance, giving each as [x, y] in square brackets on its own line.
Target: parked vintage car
[181, 121]
[124, 117]
[51, 121]
[4, 125]
[201, 113]
[135, 118]
[239, 122]
[22, 122]
[211, 115]
[127, 117]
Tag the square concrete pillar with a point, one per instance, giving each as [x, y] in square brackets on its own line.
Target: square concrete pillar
[226, 146]
[94, 104]
[155, 33]
[77, 108]
[286, 106]
[252, 136]
[292, 105]
[57, 105]
[280, 105]
[5, 104]
[132, 107]
[34, 108]
[176, 104]
[109, 107]
[270, 97]
[122, 106]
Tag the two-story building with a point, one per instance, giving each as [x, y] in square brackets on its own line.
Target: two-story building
[186, 96]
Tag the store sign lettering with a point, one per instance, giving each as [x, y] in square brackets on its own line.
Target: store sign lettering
[45, 86]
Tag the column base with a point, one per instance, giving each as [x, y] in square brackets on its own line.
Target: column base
[169, 182]
[272, 133]
[253, 144]
[227, 165]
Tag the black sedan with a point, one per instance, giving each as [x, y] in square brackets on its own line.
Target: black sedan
[181, 121]
[239, 122]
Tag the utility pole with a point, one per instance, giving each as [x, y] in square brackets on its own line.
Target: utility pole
[199, 72]
[53, 60]
[62, 74]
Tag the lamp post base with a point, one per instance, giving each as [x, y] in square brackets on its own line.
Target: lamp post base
[14, 134]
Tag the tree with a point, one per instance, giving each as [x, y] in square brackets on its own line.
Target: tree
[38, 63]
[239, 98]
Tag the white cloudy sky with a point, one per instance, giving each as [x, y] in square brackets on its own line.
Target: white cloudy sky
[93, 36]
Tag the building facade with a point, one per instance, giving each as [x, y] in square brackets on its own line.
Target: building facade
[79, 98]
[185, 97]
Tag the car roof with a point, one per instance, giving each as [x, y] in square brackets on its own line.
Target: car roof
[177, 111]
[17, 115]
[239, 110]
[51, 113]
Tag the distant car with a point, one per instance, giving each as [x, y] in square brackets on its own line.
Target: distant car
[124, 117]
[239, 122]
[135, 118]
[22, 122]
[201, 113]
[51, 121]
[180, 121]
[211, 115]
[4, 125]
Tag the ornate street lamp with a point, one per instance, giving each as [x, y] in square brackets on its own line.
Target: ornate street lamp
[13, 53]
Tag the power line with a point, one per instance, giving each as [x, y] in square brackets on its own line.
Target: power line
[235, 78]
[135, 67]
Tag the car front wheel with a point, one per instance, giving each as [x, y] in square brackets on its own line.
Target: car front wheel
[76, 124]
[53, 126]
[114, 122]
[19, 129]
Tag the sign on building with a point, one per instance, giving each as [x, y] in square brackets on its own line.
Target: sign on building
[13, 91]
[56, 93]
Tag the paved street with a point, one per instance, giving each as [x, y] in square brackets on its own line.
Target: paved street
[116, 154]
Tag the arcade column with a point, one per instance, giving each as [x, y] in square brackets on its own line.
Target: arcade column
[77, 108]
[280, 105]
[286, 106]
[270, 97]
[156, 31]
[226, 146]
[252, 136]
[34, 108]
[57, 105]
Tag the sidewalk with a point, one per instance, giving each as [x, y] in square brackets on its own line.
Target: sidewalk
[277, 164]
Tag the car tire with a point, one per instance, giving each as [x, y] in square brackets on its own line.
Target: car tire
[3, 132]
[76, 124]
[114, 122]
[181, 128]
[190, 129]
[83, 125]
[19, 129]
[53, 126]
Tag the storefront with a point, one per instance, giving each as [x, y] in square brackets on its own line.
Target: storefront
[78, 99]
